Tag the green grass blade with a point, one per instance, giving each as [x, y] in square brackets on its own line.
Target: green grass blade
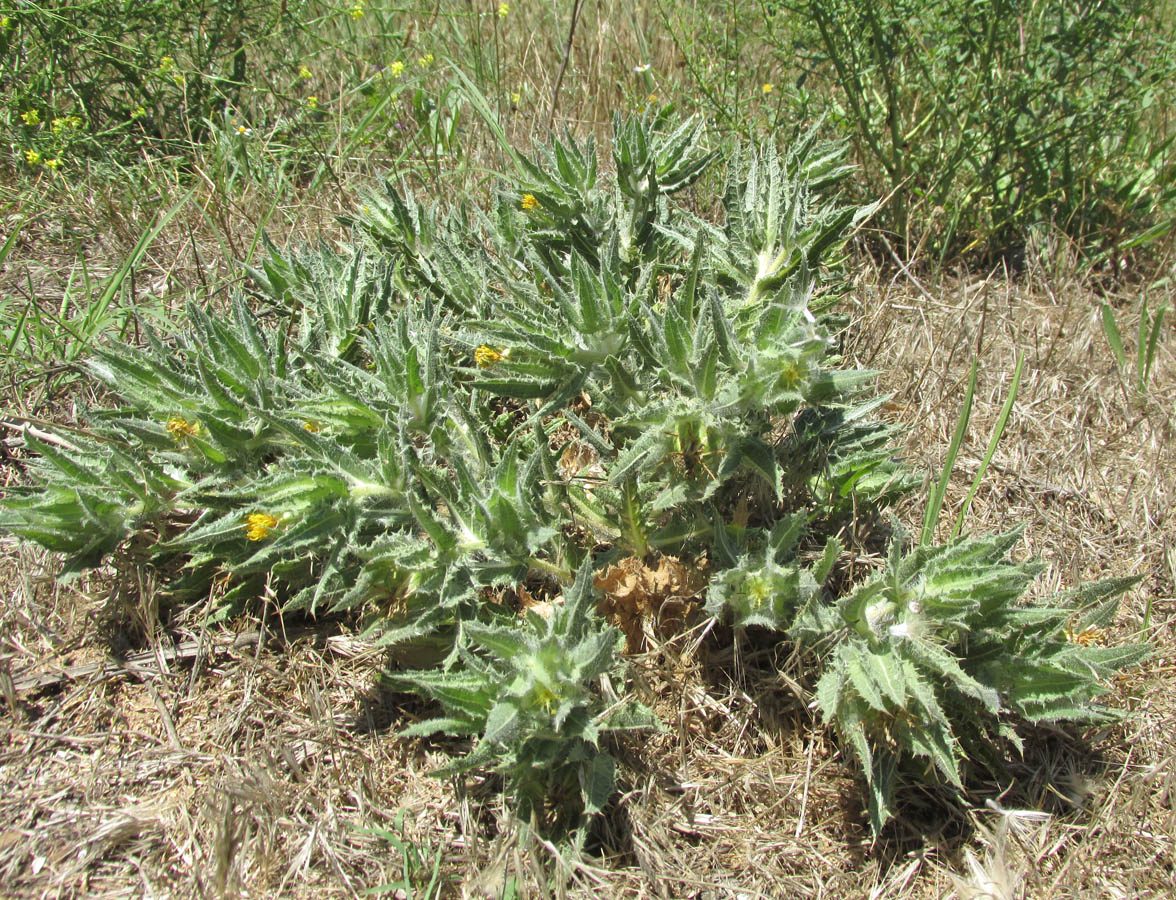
[95, 315]
[10, 241]
[997, 431]
[935, 501]
[1153, 339]
[1114, 338]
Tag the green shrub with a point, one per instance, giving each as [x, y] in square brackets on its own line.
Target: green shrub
[983, 120]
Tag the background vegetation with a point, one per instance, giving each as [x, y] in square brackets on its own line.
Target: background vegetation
[185, 176]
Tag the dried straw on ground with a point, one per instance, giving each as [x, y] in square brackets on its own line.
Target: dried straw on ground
[268, 766]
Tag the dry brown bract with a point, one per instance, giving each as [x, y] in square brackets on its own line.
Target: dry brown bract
[647, 603]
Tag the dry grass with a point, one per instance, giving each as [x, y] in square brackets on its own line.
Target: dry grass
[262, 768]
[265, 767]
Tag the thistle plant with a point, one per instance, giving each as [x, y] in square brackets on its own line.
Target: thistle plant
[535, 699]
[929, 664]
[475, 403]
[761, 590]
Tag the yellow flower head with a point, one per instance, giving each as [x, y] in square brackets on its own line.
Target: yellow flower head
[31, 117]
[53, 164]
[138, 112]
[486, 356]
[516, 98]
[356, 11]
[425, 61]
[303, 72]
[312, 102]
[312, 427]
[503, 10]
[59, 125]
[258, 526]
[767, 88]
[529, 202]
[179, 427]
[5, 23]
[166, 64]
[33, 157]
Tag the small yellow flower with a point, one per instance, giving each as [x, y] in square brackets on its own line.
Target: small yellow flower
[138, 112]
[304, 72]
[516, 98]
[312, 102]
[53, 164]
[397, 69]
[31, 117]
[258, 526]
[529, 202]
[5, 23]
[356, 11]
[425, 61]
[312, 427]
[66, 123]
[503, 10]
[33, 157]
[166, 64]
[767, 88]
[486, 356]
[179, 428]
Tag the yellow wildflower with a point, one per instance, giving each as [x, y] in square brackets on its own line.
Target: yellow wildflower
[5, 23]
[486, 355]
[503, 10]
[516, 98]
[31, 117]
[303, 72]
[529, 202]
[53, 164]
[397, 69]
[356, 11]
[138, 112]
[33, 157]
[258, 526]
[166, 64]
[179, 427]
[312, 427]
[66, 123]
[425, 61]
[312, 102]
[767, 88]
